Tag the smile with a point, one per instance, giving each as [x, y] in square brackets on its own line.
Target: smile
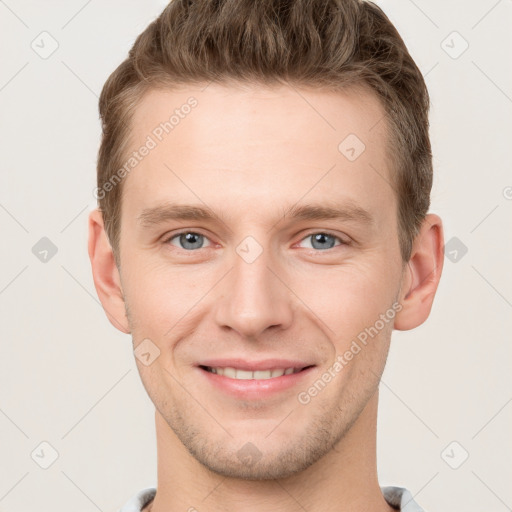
[238, 374]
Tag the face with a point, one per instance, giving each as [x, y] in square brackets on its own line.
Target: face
[229, 258]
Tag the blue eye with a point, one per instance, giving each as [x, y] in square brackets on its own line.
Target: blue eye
[323, 241]
[188, 240]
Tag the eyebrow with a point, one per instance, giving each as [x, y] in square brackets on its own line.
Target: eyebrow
[168, 211]
[348, 211]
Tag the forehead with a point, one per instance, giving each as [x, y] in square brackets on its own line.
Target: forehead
[261, 112]
[231, 146]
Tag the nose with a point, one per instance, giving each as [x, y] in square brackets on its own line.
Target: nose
[254, 297]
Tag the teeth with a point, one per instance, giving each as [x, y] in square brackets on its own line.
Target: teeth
[233, 373]
[227, 372]
[243, 374]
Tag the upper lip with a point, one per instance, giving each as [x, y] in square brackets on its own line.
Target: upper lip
[243, 364]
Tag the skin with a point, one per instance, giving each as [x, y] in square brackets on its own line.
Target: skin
[249, 153]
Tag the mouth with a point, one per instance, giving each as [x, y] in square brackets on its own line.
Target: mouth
[259, 384]
[240, 374]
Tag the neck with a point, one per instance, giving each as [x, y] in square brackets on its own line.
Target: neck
[344, 480]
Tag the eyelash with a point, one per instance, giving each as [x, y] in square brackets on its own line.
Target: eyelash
[342, 242]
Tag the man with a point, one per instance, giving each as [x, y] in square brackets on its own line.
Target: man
[264, 180]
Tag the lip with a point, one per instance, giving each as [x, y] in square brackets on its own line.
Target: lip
[267, 364]
[255, 389]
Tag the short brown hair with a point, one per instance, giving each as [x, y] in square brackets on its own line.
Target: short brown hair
[313, 43]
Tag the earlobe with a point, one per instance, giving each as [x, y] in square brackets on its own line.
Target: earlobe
[421, 278]
[105, 273]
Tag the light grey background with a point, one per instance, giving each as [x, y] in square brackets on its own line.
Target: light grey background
[68, 378]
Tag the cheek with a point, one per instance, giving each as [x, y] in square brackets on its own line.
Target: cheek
[161, 295]
[346, 300]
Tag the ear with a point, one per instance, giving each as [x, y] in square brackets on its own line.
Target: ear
[105, 273]
[421, 275]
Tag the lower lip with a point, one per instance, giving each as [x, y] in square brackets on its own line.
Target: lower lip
[255, 389]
